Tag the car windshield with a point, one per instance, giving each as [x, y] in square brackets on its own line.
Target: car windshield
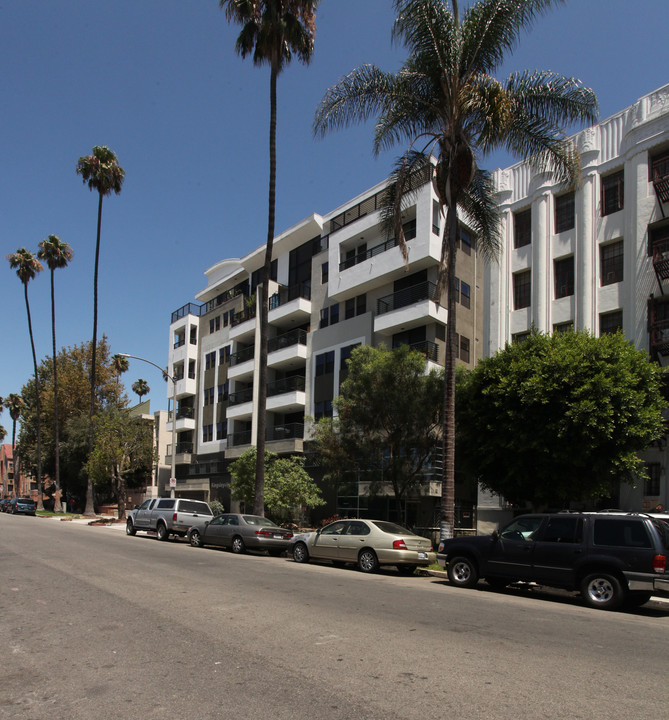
[257, 520]
[390, 528]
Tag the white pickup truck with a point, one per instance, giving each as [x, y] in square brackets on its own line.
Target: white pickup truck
[167, 516]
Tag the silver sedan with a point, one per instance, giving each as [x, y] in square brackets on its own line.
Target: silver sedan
[367, 543]
[240, 532]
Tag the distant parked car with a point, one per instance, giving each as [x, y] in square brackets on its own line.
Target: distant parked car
[21, 505]
[167, 516]
[4, 504]
[240, 533]
[368, 543]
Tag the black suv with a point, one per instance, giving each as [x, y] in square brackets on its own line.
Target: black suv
[612, 558]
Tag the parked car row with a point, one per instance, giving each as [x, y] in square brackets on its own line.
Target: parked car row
[369, 544]
[25, 506]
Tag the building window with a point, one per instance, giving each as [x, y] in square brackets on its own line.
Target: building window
[563, 327]
[522, 228]
[215, 324]
[464, 349]
[611, 262]
[564, 212]
[465, 294]
[564, 277]
[324, 272]
[209, 396]
[658, 167]
[325, 363]
[349, 309]
[322, 409]
[209, 360]
[465, 241]
[334, 314]
[207, 433]
[361, 304]
[522, 286]
[651, 485]
[436, 215]
[520, 337]
[221, 430]
[610, 322]
[223, 391]
[613, 190]
[325, 318]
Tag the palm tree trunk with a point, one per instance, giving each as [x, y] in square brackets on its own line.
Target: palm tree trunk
[40, 502]
[447, 513]
[56, 506]
[90, 507]
[261, 414]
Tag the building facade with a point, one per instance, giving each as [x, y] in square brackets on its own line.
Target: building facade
[337, 281]
[595, 258]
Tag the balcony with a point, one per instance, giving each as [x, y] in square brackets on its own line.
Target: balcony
[288, 350]
[286, 395]
[408, 308]
[243, 396]
[291, 305]
[288, 431]
[427, 348]
[184, 453]
[242, 364]
[290, 384]
[409, 234]
[240, 404]
[185, 419]
[658, 239]
[242, 324]
[188, 309]
[240, 438]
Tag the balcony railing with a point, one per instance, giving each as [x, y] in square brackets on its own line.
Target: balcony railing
[183, 448]
[242, 355]
[248, 313]
[294, 337]
[242, 396]
[290, 384]
[285, 432]
[188, 309]
[179, 342]
[287, 294]
[427, 348]
[409, 234]
[184, 412]
[408, 296]
[240, 438]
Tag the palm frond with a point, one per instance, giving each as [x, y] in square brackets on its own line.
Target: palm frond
[480, 204]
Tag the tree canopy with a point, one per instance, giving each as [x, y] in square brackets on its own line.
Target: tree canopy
[388, 422]
[288, 486]
[559, 418]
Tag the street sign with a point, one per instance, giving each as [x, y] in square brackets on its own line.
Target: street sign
[173, 482]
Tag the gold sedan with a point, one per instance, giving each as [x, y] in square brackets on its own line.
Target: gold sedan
[367, 543]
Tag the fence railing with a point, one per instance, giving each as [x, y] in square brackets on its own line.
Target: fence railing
[407, 296]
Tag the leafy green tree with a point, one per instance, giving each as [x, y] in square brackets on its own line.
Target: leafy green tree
[272, 31]
[559, 418]
[104, 175]
[27, 266]
[140, 388]
[445, 102]
[122, 445]
[288, 486]
[56, 254]
[388, 419]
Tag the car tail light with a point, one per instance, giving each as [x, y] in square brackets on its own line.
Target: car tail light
[399, 545]
[174, 517]
[659, 563]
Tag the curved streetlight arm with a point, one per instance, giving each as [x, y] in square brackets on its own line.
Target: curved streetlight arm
[174, 414]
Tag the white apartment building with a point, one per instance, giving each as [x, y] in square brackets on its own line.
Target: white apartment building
[337, 281]
[596, 258]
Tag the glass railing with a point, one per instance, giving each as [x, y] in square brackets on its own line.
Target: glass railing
[248, 313]
[409, 234]
[242, 396]
[294, 337]
[290, 384]
[285, 432]
[240, 438]
[408, 296]
[242, 355]
[287, 294]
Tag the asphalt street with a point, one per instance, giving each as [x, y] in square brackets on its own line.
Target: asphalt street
[101, 625]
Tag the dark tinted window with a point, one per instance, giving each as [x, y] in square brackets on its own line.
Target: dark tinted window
[193, 506]
[388, 527]
[621, 533]
[357, 528]
[564, 530]
[165, 503]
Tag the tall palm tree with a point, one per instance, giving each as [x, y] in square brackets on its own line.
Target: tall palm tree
[27, 266]
[104, 175]
[141, 388]
[56, 254]
[120, 365]
[445, 102]
[14, 403]
[272, 30]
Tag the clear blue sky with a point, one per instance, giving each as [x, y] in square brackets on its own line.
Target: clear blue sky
[160, 83]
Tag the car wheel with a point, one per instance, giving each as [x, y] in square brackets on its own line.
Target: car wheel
[196, 539]
[637, 599]
[462, 572]
[300, 553]
[367, 561]
[238, 545]
[602, 591]
[130, 528]
[161, 532]
[406, 569]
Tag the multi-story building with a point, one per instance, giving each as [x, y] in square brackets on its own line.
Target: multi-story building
[595, 257]
[337, 281]
[8, 484]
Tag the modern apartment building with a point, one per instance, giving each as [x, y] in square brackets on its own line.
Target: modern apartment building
[594, 258]
[337, 281]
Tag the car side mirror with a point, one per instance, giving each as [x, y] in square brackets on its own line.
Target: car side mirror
[495, 535]
[318, 531]
[206, 522]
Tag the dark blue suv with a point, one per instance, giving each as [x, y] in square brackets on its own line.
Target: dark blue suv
[613, 558]
[21, 505]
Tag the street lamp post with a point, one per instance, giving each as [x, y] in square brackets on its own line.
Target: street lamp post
[174, 415]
